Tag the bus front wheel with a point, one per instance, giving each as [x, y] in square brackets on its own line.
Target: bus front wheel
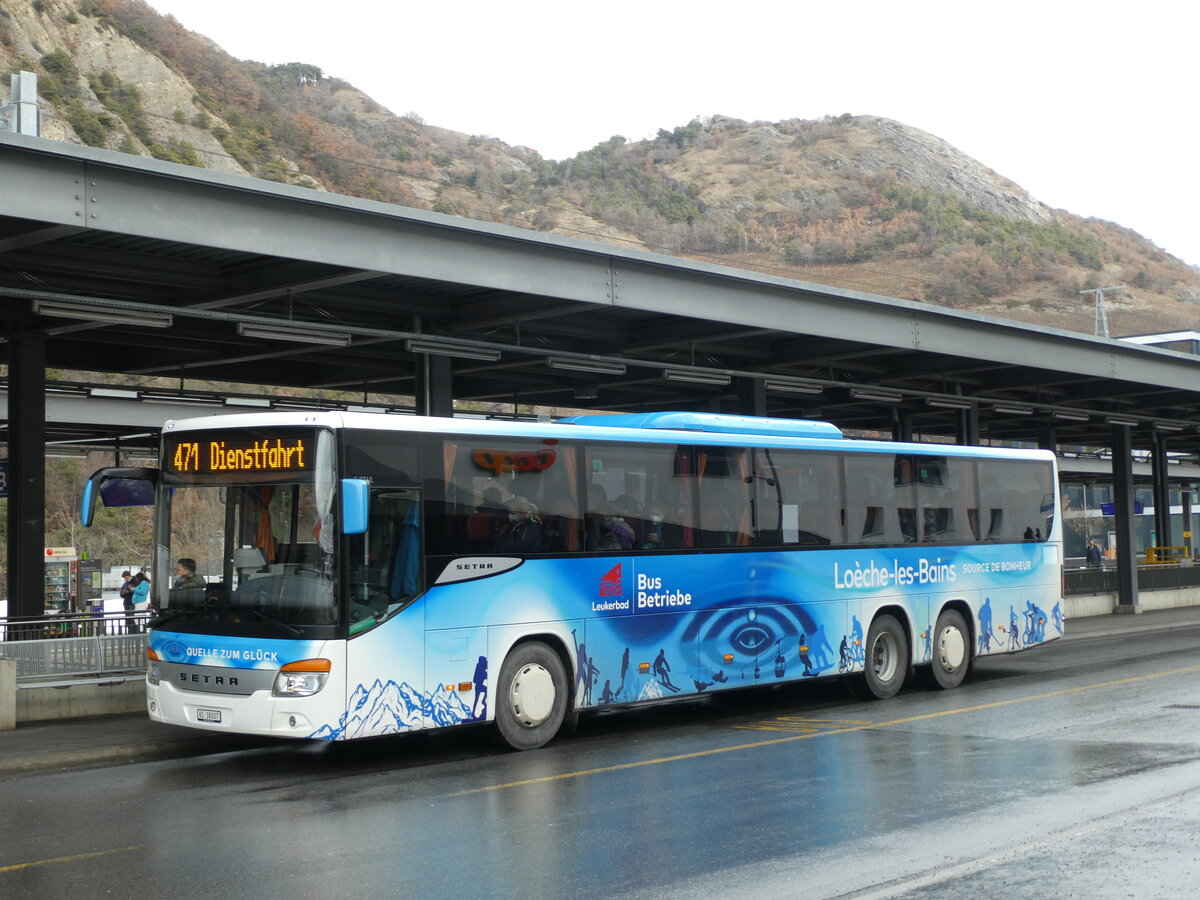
[951, 650]
[886, 662]
[533, 696]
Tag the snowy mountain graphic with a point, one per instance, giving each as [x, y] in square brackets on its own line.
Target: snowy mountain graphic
[392, 709]
[651, 690]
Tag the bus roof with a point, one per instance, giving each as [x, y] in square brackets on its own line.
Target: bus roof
[598, 428]
[713, 423]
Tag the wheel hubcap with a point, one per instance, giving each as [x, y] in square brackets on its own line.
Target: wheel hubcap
[532, 695]
[952, 648]
[883, 657]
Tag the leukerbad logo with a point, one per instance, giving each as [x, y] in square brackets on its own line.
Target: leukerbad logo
[610, 582]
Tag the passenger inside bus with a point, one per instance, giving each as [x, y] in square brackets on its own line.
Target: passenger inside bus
[660, 534]
[485, 524]
[523, 532]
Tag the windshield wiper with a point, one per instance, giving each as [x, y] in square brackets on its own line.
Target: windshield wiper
[294, 632]
[163, 617]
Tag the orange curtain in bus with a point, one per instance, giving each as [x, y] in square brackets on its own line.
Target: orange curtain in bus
[265, 538]
[683, 467]
[451, 518]
[743, 537]
[449, 455]
[567, 455]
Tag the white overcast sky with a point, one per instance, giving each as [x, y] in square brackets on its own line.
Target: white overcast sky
[1090, 106]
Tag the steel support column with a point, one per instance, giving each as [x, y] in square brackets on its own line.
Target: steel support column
[751, 397]
[966, 427]
[1186, 497]
[435, 386]
[27, 475]
[1162, 491]
[1122, 470]
[1047, 438]
[902, 426]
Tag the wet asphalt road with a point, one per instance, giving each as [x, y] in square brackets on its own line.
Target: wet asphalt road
[1072, 771]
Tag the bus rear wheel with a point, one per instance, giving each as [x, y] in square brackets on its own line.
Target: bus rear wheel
[886, 661]
[951, 650]
[532, 699]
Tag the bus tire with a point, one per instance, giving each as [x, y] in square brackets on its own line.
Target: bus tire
[951, 650]
[886, 659]
[532, 700]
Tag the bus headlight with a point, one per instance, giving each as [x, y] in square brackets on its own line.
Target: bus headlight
[153, 671]
[302, 678]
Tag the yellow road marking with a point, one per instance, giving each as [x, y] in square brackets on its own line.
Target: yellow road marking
[767, 726]
[803, 724]
[64, 859]
[847, 729]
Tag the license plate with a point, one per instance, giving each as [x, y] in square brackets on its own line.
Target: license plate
[208, 715]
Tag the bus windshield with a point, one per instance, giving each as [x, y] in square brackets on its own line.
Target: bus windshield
[251, 547]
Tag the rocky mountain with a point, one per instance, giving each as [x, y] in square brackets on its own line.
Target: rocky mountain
[859, 202]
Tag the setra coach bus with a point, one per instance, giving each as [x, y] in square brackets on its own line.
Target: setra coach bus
[340, 575]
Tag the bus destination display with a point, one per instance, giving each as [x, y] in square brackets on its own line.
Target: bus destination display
[266, 455]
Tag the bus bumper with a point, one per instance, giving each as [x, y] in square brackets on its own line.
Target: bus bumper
[259, 713]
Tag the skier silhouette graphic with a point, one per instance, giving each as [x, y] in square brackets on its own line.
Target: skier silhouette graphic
[662, 670]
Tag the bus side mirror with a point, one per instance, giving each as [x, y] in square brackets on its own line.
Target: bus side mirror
[355, 492]
[117, 487]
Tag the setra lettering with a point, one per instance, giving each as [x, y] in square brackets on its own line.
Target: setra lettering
[223, 680]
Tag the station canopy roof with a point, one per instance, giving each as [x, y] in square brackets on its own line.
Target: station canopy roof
[154, 269]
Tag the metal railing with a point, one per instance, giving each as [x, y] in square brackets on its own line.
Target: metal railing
[71, 648]
[1103, 579]
[1168, 556]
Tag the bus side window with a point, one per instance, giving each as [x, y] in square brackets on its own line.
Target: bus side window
[881, 498]
[639, 497]
[487, 478]
[726, 486]
[385, 563]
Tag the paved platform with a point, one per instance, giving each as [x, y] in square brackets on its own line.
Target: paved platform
[118, 739]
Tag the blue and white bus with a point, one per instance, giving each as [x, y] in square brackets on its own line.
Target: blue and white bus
[360, 574]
